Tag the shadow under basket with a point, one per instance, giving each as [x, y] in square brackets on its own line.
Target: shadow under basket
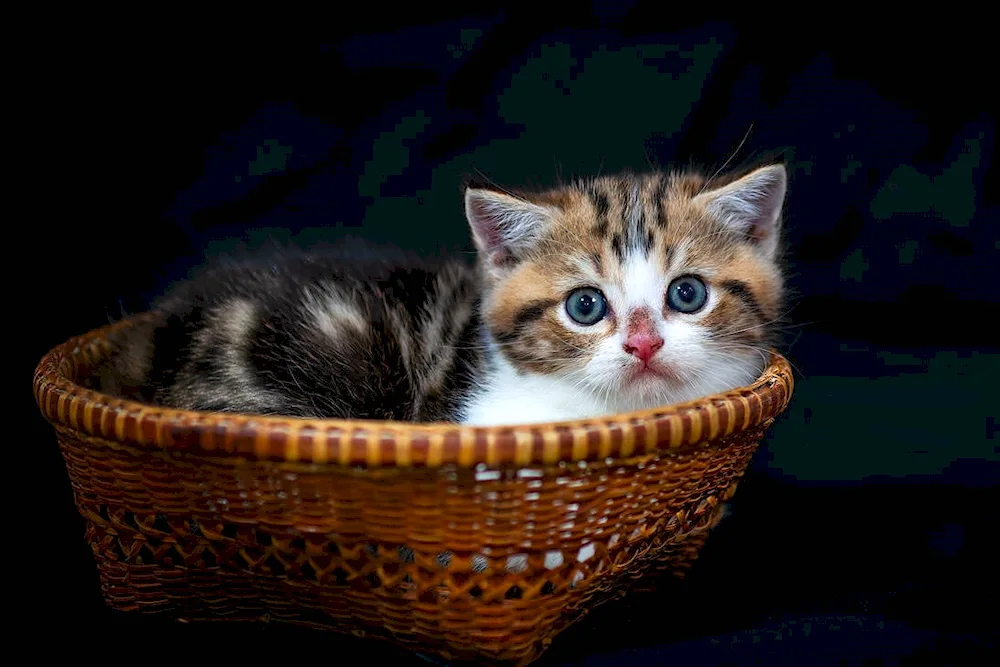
[464, 543]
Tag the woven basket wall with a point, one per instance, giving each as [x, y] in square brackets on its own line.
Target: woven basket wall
[465, 543]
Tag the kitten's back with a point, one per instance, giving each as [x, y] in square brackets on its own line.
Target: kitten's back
[351, 332]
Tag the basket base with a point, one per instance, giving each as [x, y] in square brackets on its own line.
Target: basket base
[186, 595]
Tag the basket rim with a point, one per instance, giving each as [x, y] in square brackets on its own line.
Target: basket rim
[376, 443]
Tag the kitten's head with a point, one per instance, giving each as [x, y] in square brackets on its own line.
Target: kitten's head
[642, 290]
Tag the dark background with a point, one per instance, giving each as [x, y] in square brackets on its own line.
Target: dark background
[861, 533]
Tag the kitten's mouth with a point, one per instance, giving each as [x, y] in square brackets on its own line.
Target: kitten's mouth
[655, 371]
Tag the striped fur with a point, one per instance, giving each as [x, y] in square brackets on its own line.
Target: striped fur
[386, 336]
[314, 335]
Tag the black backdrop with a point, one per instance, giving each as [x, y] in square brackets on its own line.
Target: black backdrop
[861, 531]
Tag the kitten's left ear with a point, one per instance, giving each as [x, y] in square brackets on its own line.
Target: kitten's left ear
[505, 228]
[751, 206]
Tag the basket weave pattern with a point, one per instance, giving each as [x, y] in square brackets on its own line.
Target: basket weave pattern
[467, 543]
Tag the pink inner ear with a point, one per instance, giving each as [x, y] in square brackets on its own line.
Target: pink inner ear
[764, 222]
[486, 222]
[487, 227]
[759, 230]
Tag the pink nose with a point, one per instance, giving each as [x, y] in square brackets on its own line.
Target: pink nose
[643, 345]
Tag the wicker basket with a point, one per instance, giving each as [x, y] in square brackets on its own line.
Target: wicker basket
[460, 542]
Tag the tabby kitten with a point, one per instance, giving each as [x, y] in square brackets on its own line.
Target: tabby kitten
[609, 294]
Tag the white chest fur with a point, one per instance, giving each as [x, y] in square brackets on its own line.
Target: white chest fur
[507, 397]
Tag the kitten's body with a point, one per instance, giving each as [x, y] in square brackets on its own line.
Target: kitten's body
[337, 334]
[317, 334]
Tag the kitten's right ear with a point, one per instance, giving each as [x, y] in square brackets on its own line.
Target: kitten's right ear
[751, 206]
[504, 227]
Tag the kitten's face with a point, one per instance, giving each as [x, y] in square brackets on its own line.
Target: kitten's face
[640, 290]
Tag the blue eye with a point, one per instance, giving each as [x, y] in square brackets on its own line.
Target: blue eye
[586, 306]
[687, 294]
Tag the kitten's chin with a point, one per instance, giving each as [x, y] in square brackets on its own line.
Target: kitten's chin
[653, 375]
[660, 385]
[651, 385]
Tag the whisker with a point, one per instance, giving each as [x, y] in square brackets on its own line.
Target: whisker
[730, 159]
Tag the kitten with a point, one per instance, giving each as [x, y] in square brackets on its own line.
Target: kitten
[606, 295]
